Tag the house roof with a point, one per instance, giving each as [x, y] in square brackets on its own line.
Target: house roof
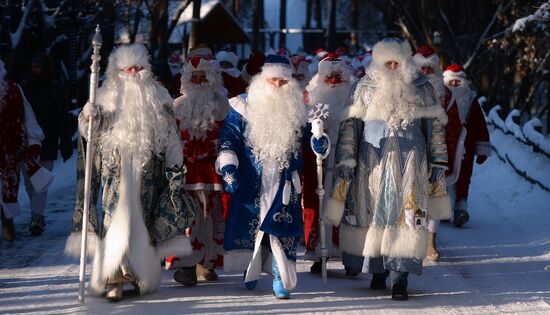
[218, 25]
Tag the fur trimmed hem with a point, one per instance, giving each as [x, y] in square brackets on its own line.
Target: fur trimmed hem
[178, 246]
[334, 211]
[439, 208]
[373, 241]
[405, 243]
[72, 245]
[352, 239]
[236, 260]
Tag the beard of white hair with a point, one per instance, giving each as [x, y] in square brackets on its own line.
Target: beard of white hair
[139, 128]
[3, 92]
[395, 98]
[462, 95]
[275, 116]
[198, 109]
[336, 97]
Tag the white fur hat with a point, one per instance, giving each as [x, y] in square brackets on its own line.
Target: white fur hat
[201, 59]
[454, 72]
[391, 49]
[426, 56]
[2, 70]
[227, 56]
[277, 66]
[331, 64]
[128, 55]
[300, 64]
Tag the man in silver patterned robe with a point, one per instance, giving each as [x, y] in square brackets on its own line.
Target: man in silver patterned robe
[137, 162]
[390, 159]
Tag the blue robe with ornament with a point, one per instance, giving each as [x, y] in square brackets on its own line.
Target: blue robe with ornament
[268, 200]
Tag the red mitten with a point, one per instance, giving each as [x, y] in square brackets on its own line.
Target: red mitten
[481, 159]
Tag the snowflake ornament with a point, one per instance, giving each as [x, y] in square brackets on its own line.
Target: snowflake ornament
[321, 111]
[229, 178]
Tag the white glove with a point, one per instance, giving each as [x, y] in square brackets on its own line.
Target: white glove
[89, 110]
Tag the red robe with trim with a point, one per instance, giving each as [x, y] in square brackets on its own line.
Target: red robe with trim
[200, 158]
[205, 186]
[476, 142]
[12, 142]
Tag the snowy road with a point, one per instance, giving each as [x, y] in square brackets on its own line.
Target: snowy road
[496, 264]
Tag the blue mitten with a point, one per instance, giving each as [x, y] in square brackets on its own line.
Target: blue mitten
[320, 145]
[230, 177]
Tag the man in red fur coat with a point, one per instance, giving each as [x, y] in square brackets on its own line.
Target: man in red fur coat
[20, 138]
[466, 137]
[201, 111]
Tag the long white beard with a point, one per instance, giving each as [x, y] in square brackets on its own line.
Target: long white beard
[336, 97]
[3, 92]
[394, 100]
[139, 128]
[463, 96]
[199, 108]
[274, 117]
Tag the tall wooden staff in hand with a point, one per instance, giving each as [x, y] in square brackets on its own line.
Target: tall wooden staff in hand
[317, 129]
[96, 57]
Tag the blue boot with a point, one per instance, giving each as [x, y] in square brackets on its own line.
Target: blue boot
[250, 285]
[278, 288]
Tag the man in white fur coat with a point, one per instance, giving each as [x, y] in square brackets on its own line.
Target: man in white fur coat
[390, 157]
[331, 85]
[137, 161]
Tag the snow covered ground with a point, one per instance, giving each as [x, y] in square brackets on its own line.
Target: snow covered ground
[495, 264]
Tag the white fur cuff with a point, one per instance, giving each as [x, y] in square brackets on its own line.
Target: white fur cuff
[72, 246]
[226, 158]
[178, 246]
[334, 211]
[439, 208]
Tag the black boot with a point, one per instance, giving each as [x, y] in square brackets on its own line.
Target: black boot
[186, 276]
[399, 292]
[460, 217]
[316, 268]
[399, 286]
[36, 227]
[378, 281]
[351, 271]
[8, 228]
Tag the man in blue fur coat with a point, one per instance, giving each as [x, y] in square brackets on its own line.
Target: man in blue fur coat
[260, 160]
